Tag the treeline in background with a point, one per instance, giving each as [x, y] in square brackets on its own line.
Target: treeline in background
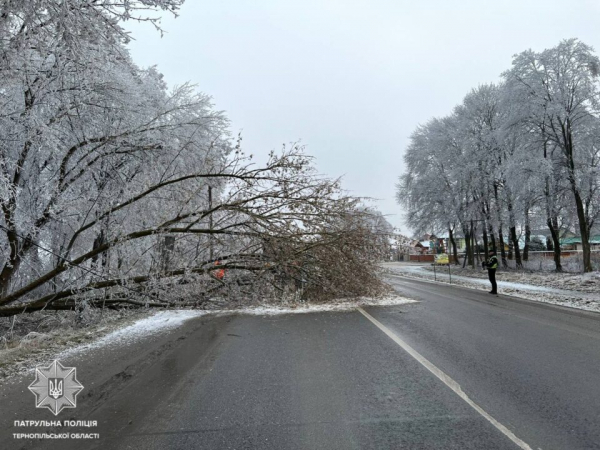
[519, 155]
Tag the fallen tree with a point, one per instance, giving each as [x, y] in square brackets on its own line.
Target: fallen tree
[115, 190]
[280, 228]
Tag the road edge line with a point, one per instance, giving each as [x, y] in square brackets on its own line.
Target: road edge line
[447, 380]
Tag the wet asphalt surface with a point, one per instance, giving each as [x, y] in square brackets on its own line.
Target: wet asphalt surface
[335, 381]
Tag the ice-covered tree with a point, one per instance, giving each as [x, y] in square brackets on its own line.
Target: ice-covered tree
[513, 153]
[557, 92]
[118, 190]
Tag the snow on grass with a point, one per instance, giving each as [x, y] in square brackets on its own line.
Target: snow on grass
[588, 301]
[559, 283]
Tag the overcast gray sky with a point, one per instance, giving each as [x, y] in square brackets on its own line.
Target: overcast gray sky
[351, 79]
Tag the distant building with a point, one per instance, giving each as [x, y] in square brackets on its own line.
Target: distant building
[430, 244]
[574, 243]
[418, 248]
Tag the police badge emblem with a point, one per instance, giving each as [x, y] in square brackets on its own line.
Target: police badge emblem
[55, 387]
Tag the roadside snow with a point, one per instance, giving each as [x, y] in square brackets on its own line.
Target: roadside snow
[156, 323]
[587, 283]
[162, 321]
[303, 308]
[153, 323]
[589, 301]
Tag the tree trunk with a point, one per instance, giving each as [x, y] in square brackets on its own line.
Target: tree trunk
[477, 249]
[515, 246]
[585, 233]
[552, 222]
[453, 243]
[492, 238]
[469, 253]
[485, 240]
[13, 261]
[473, 243]
[211, 249]
[527, 236]
[584, 228]
[6, 276]
[513, 235]
[98, 241]
[502, 249]
[166, 256]
[488, 229]
[553, 227]
[500, 232]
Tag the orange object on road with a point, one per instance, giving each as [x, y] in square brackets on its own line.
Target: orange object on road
[220, 273]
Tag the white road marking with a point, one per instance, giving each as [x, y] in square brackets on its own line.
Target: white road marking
[446, 379]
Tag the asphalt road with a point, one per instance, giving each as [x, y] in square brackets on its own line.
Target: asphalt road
[337, 381]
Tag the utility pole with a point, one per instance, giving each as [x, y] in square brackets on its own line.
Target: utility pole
[210, 225]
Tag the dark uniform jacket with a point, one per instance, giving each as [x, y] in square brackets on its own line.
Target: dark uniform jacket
[492, 262]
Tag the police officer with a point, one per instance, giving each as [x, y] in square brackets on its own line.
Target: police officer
[492, 265]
